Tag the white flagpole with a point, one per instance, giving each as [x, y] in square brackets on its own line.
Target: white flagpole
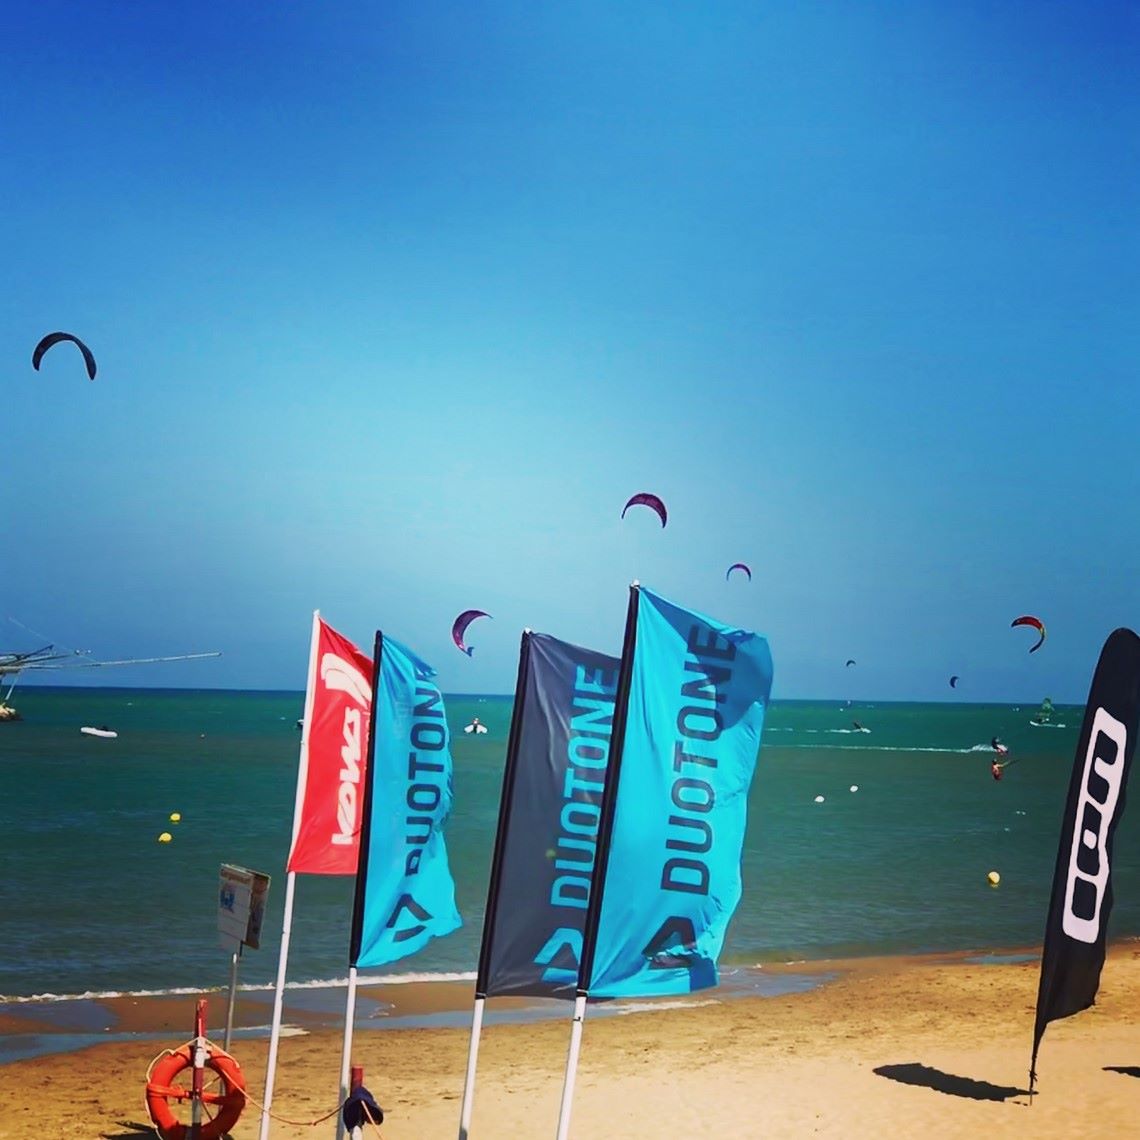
[472, 1059]
[601, 859]
[505, 796]
[358, 899]
[346, 1048]
[233, 998]
[571, 1066]
[290, 881]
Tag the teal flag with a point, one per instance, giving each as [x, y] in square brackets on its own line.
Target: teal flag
[405, 895]
[695, 705]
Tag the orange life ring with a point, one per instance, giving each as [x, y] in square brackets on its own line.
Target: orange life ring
[161, 1091]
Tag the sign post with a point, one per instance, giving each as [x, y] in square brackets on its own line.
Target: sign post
[242, 894]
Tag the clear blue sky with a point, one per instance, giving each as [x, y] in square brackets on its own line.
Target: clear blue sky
[395, 305]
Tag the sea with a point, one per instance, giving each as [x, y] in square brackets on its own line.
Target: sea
[862, 841]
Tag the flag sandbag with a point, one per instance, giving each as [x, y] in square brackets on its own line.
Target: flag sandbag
[405, 894]
[1081, 900]
[691, 703]
[543, 863]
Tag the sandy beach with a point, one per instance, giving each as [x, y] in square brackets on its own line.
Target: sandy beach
[933, 1047]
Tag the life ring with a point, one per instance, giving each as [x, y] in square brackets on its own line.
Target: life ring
[161, 1091]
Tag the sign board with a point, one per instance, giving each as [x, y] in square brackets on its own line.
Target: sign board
[241, 906]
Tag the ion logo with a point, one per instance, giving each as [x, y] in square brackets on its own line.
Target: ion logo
[1088, 852]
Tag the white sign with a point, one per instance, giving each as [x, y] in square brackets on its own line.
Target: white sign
[241, 906]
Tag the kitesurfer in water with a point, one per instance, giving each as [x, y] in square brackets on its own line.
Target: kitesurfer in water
[997, 765]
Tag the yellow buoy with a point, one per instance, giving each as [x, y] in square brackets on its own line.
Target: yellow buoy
[993, 878]
[175, 817]
[165, 837]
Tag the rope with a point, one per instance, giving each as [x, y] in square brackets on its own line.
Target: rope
[285, 1120]
[368, 1117]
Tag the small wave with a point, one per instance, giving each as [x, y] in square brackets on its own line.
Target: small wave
[654, 1006]
[182, 991]
[884, 748]
[379, 980]
[849, 731]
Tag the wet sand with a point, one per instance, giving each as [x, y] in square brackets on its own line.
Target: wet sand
[931, 1047]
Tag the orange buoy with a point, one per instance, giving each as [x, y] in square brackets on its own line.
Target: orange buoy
[221, 1109]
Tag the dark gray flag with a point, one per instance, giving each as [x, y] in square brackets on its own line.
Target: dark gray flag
[545, 847]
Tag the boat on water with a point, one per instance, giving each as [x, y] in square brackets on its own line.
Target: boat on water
[104, 731]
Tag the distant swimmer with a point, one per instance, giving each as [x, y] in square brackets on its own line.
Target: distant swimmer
[475, 726]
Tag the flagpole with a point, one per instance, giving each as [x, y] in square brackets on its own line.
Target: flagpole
[290, 881]
[505, 797]
[601, 861]
[468, 1105]
[346, 1047]
[357, 928]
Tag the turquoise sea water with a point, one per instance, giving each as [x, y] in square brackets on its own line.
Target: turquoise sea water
[93, 903]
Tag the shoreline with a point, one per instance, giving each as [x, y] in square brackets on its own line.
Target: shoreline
[50, 1025]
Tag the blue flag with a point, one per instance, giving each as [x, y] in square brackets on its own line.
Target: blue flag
[697, 692]
[405, 893]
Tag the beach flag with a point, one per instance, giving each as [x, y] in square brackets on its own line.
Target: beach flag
[1076, 928]
[330, 785]
[543, 860]
[334, 742]
[690, 706]
[689, 725]
[548, 820]
[405, 895]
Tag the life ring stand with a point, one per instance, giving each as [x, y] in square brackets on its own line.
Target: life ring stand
[221, 1109]
[163, 1091]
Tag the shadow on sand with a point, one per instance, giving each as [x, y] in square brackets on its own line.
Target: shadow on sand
[936, 1079]
[1127, 1070]
[133, 1131]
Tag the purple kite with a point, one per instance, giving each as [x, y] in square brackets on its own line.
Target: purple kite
[55, 338]
[737, 566]
[645, 499]
[459, 628]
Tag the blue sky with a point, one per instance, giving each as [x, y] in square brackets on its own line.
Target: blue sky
[395, 305]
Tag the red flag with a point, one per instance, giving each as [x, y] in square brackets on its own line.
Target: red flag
[334, 748]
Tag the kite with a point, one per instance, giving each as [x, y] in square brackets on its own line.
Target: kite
[737, 566]
[459, 628]
[55, 338]
[1036, 623]
[644, 499]
[954, 681]
[850, 662]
